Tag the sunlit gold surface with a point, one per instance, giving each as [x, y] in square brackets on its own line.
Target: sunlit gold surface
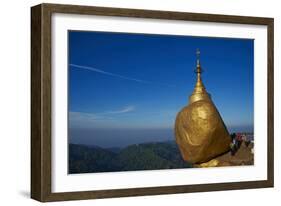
[211, 163]
[199, 129]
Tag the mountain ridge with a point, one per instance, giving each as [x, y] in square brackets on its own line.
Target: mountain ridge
[135, 157]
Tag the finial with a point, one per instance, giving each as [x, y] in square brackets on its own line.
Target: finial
[198, 66]
[198, 56]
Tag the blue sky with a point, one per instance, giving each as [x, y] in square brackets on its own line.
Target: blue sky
[141, 81]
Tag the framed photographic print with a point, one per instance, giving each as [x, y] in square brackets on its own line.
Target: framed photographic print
[130, 102]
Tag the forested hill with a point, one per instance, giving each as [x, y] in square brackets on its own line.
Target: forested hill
[146, 156]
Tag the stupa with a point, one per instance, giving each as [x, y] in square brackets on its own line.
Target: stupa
[200, 132]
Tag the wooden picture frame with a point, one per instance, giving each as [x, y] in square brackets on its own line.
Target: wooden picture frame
[41, 82]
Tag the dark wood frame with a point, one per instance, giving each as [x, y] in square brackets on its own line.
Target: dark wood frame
[41, 101]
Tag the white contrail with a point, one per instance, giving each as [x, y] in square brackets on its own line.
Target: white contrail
[116, 75]
[109, 73]
[121, 111]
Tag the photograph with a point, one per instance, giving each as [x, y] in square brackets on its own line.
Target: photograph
[141, 102]
[134, 102]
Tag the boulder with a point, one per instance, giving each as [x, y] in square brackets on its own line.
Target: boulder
[200, 132]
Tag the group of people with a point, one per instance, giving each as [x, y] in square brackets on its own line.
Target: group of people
[236, 140]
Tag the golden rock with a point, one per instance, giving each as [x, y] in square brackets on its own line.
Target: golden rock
[199, 129]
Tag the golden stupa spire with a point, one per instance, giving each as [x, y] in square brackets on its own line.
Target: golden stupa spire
[199, 91]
